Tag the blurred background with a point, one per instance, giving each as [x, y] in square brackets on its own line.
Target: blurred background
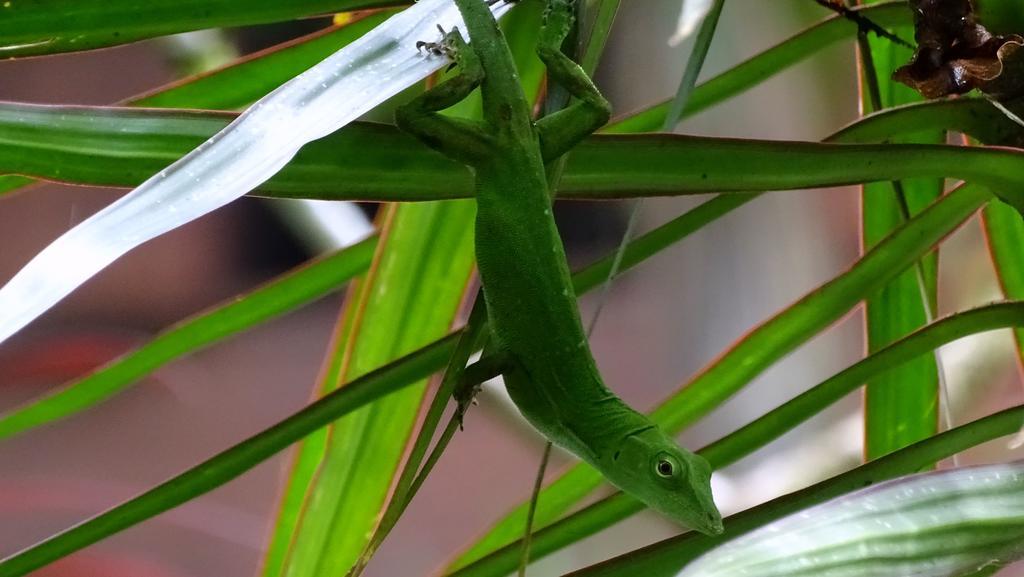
[663, 322]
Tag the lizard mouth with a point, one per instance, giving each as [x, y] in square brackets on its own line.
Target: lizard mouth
[713, 525]
[640, 430]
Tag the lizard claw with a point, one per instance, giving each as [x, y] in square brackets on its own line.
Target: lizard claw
[451, 44]
[436, 48]
[463, 400]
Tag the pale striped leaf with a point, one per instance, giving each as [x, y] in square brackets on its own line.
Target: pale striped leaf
[939, 524]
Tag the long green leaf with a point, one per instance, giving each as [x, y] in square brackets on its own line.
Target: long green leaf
[120, 147]
[974, 116]
[409, 299]
[666, 558]
[596, 37]
[786, 417]
[895, 417]
[231, 463]
[694, 64]
[763, 66]
[730, 372]
[1004, 230]
[30, 28]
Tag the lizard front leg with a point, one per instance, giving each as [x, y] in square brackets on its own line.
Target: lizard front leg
[461, 139]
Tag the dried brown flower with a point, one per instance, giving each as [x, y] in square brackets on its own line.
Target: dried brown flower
[956, 54]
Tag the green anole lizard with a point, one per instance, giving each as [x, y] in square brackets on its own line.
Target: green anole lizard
[535, 322]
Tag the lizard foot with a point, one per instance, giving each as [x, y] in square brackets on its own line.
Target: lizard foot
[558, 19]
[463, 400]
[452, 44]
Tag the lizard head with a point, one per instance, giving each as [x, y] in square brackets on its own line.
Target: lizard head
[675, 482]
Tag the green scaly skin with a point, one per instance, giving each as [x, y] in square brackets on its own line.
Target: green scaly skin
[530, 300]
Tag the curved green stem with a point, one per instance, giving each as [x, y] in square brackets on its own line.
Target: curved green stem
[37, 28]
[339, 167]
[763, 66]
[775, 423]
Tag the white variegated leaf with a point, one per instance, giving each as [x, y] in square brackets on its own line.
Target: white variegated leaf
[940, 524]
[239, 158]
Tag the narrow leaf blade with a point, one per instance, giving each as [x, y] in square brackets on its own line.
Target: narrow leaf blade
[898, 416]
[38, 28]
[408, 300]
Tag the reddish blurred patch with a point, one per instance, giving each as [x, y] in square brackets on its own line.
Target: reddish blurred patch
[88, 565]
[61, 357]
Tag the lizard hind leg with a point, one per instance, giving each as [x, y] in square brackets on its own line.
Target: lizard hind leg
[562, 130]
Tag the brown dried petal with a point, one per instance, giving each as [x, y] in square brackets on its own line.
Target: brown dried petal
[960, 68]
[956, 54]
[1008, 83]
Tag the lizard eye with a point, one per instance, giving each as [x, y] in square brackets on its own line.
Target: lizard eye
[666, 466]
